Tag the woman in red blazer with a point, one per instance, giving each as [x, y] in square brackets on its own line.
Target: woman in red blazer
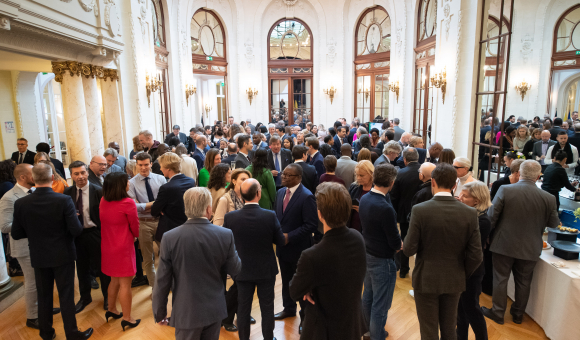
[119, 228]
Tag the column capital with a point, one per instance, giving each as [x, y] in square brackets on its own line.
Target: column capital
[110, 73]
[60, 67]
[89, 70]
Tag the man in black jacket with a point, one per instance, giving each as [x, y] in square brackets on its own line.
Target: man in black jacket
[23, 155]
[556, 129]
[232, 154]
[255, 229]
[556, 178]
[97, 168]
[406, 186]
[182, 137]
[87, 198]
[329, 276]
[424, 194]
[309, 178]
[50, 223]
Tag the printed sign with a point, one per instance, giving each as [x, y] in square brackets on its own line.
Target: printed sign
[9, 127]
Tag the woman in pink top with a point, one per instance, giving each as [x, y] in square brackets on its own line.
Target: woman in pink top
[119, 228]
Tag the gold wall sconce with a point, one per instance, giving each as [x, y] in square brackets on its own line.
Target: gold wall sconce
[207, 109]
[366, 92]
[522, 88]
[330, 92]
[394, 87]
[439, 80]
[152, 85]
[251, 94]
[189, 92]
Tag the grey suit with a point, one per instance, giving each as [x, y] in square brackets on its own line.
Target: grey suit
[19, 249]
[519, 214]
[242, 161]
[193, 256]
[345, 170]
[537, 150]
[121, 162]
[444, 233]
[398, 133]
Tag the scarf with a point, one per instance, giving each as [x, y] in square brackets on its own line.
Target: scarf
[238, 204]
[567, 148]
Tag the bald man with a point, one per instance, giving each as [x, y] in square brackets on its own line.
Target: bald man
[405, 138]
[424, 193]
[97, 168]
[541, 148]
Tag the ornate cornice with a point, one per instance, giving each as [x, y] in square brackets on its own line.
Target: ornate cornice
[110, 73]
[92, 70]
[59, 68]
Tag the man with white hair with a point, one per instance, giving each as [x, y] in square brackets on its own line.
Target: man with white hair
[197, 313]
[462, 166]
[390, 154]
[519, 214]
[111, 155]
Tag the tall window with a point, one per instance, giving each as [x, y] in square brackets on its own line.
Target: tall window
[290, 72]
[424, 61]
[208, 55]
[162, 97]
[372, 64]
[54, 121]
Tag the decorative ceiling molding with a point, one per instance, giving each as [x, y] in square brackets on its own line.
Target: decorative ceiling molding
[5, 23]
[90, 5]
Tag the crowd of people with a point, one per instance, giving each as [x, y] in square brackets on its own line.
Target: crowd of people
[346, 208]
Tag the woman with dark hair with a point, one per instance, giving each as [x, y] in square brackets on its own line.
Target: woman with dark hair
[174, 142]
[508, 139]
[447, 156]
[212, 158]
[7, 179]
[536, 136]
[375, 137]
[261, 172]
[288, 144]
[365, 143]
[325, 150]
[219, 179]
[119, 228]
[137, 147]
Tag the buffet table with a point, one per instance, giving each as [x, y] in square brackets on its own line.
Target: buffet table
[554, 302]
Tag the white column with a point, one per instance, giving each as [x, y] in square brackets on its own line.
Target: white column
[111, 108]
[94, 124]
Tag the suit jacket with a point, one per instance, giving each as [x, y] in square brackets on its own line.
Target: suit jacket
[350, 136]
[519, 214]
[422, 157]
[95, 195]
[231, 158]
[444, 233]
[334, 267]
[49, 220]
[309, 177]
[93, 179]
[554, 132]
[345, 170]
[255, 229]
[191, 263]
[406, 186]
[299, 221]
[114, 168]
[121, 162]
[28, 157]
[398, 133]
[18, 248]
[575, 140]
[199, 158]
[182, 138]
[170, 202]
[537, 150]
[337, 144]
[242, 161]
[318, 162]
[505, 180]
[285, 156]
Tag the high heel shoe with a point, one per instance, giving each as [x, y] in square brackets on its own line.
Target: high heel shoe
[113, 315]
[126, 323]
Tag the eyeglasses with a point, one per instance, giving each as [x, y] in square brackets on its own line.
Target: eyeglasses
[100, 164]
[287, 175]
[459, 167]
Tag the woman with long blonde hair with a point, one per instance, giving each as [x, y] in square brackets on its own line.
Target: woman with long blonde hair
[363, 184]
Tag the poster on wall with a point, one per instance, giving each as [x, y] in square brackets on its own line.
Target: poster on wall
[9, 127]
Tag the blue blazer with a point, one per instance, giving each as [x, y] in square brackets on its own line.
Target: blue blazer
[199, 158]
[422, 157]
[318, 162]
[255, 229]
[299, 221]
[337, 145]
[170, 202]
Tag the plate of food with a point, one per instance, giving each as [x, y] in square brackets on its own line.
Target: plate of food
[563, 230]
[546, 246]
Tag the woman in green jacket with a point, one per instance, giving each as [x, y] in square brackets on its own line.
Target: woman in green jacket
[263, 175]
[212, 158]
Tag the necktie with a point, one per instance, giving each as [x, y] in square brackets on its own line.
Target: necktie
[20, 159]
[80, 206]
[29, 191]
[277, 165]
[150, 196]
[286, 199]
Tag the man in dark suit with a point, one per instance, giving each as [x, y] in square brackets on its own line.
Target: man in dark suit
[406, 186]
[232, 154]
[574, 139]
[309, 178]
[540, 150]
[444, 233]
[44, 147]
[97, 168]
[162, 149]
[255, 229]
[243, 158]
[339, 139]
[87, 198]
[556, 129]
[422, 153]
[330, 275]
[199, 152]
[168, 205]
[23, 155]
[195, 255]
[182, 137]
[316, 158]
[278, 159]
[296, 210]
[50, 223]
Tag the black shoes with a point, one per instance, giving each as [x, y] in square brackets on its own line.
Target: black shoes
[489, 314]
[82, 335]
[139, 281]
[113, 315]
[283, 315]
[368, 337]
[94, 283]
[126, 323]
[55, 311]
[402, 274]
[32, 323]
[81, 305]
[517, 319]
[12, 272]
[230, 327]
[252, 320]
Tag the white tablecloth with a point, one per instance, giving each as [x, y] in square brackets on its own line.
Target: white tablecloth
[555, 297]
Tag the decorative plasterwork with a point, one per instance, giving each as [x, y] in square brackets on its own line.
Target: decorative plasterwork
[110, 74]
[5, 23]
[526, 50]
[136, 71]
[331, 51]
[91, 71]
[249, 46]
[112, 19]
[447, 20]
[143, 22]
[457, 54]
[399, 42]
[90, 5]
[185, 40]
[15, 80]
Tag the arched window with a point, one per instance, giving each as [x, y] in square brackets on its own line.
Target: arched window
[372, 64]
[567, 34]
[208, 49]
[162, 98]
[290, 72]
[424, 61]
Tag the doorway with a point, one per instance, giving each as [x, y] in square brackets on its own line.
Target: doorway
[291, 100]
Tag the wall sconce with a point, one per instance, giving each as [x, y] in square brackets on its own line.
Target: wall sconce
[152, 86]
[251, 94]
[207, 109]
[439, 80]
[366, 92]
[522, 88]
[394, 87]
[330, 92]
[189, 91]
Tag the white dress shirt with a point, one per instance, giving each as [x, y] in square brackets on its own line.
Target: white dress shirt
[87, 223]
[445, 193]
[24, 189]
[378, 192]
[292, 191]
